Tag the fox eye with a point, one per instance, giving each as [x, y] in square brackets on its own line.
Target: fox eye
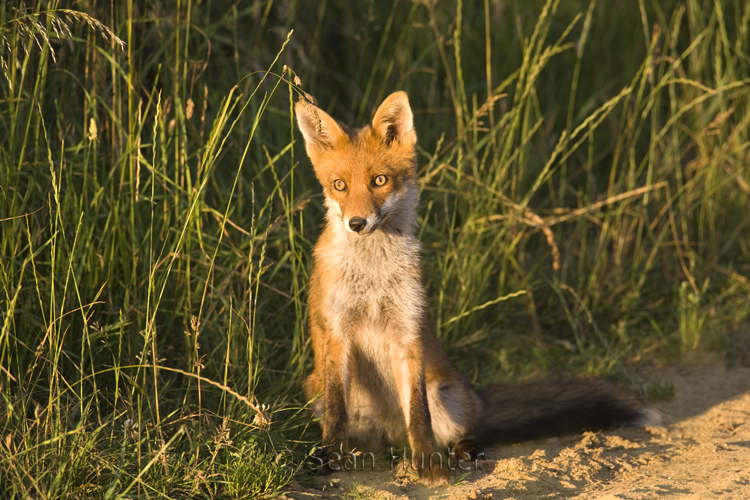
[381, 180]
[339, 185]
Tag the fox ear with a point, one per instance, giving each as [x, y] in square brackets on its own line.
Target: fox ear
[394, 121]
[321, 132]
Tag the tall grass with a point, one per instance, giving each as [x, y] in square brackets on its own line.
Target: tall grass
[585, 209]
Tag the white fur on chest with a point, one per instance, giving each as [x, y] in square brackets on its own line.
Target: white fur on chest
[379, 298]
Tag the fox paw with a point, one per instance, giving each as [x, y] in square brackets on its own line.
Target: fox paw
[467, 450]
[434, 476]
[318, 464]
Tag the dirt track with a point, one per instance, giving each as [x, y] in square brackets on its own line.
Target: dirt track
[702, 451]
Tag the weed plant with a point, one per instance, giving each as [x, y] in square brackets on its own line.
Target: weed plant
[585, 209]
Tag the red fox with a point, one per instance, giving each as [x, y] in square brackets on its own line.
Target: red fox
[382, 374]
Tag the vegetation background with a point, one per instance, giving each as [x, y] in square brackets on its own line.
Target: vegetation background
[585, 209]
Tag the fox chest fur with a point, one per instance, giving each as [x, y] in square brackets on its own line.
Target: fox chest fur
[368, 294]
[374, 285]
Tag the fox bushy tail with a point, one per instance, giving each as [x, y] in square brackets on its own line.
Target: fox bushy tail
[535, 410]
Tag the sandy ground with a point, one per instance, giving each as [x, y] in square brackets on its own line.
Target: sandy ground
[702, 451]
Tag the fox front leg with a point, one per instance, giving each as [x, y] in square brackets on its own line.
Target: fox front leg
[335, 417]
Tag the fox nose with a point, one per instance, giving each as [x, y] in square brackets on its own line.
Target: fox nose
[357, 224]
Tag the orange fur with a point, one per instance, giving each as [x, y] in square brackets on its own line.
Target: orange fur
[382, 375]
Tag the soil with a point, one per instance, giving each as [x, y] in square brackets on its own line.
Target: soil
[702, 451]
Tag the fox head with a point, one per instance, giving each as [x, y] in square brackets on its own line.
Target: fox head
[369, 175]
